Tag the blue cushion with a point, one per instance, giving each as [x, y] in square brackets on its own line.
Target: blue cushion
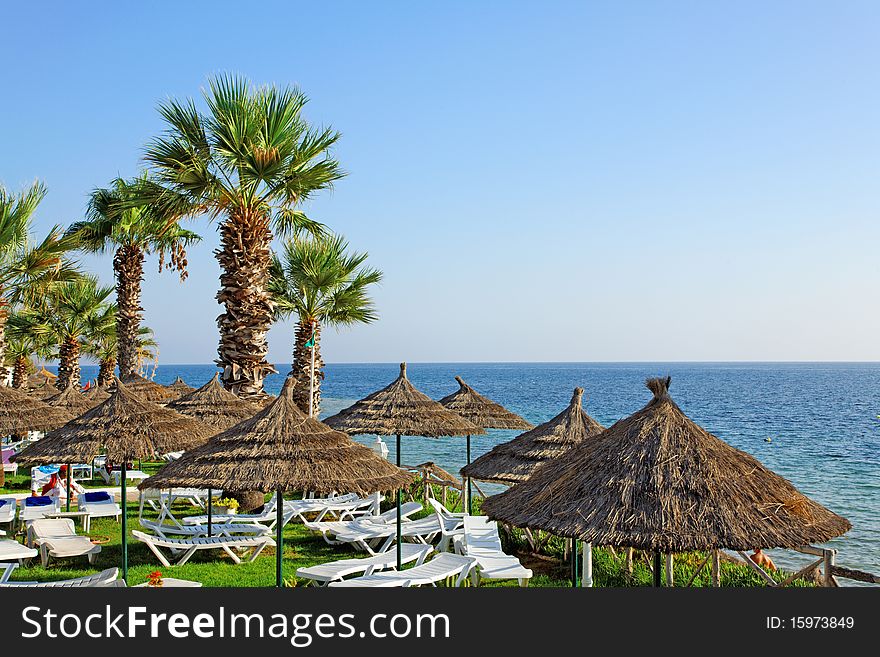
[100, 496]
[2, 502]
[43, 500]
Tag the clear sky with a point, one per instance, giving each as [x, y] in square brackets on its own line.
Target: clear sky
[539, 181]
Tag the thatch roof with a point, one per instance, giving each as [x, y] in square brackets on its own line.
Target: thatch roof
[125, 426]
[20, 412]
[658, 481]
[215, 406]
[517, 459]
[482, 411]
[72, 401]
[179, 388]
[42, 377]
[146, 389]
[97, 394]
[44, 391]
[281, 448]
[400, 409]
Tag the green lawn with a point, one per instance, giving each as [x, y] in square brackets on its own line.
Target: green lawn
[303, 548]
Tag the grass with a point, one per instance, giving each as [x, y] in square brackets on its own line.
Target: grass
[304, 548]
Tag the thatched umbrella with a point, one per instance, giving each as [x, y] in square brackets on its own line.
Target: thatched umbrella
[126, 427]
[20, 411]
[398, 410]
[42, 377]
[96, 394]
[215, 406]
[146, 389]
[483, 412]
[658, 481]
[43, 391]
[73, 403]
[515, 461]
[282, 449]
[179, 388]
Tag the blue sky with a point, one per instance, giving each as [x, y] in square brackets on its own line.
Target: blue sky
[538, 181]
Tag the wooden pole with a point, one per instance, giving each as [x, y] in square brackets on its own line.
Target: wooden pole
[716, 568]
[828, 568]
[629, 561]
[670, 581]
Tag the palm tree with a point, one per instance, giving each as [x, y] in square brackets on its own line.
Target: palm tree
[27, 337]
[316, 279]
[250, 159]
[26, 267]
[100, 343]
[70, 314]
[116, 220]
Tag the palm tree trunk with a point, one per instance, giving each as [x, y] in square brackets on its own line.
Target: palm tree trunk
[301, 369]
[4, 316]
[244, 258]
[105, 371]
[68, 364]
[128, 266]
[20, 372]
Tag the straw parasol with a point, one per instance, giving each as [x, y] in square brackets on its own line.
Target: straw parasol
[43, 391]
[658, 481]
[483, 412]
[20, 411]
[516, 460]
[179, 388]
[126, 427]
[215, 406]
[72, 401]
[146, 389]
[97, 394]
[42, 377]
[398, 410]
[281, 449]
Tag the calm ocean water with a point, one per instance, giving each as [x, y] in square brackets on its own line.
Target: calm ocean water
[822, 418]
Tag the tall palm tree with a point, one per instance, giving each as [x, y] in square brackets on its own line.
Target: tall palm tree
[251, 159]
[100, 343]
[26, 266]
[116, 220]
[323, 285]
[70, 314]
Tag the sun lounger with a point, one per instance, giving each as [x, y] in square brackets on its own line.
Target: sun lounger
[9, 467]
[337, 570]
[267, 515]
[330, 528]
[375, 538]
[97, 504]
[57, 538]
[482, 542]
[450, 525]
[341, 507]
[166, 530]
[13, 550]
[104, 578]
[33, 508]
[188, 546]
[7, 510]
[442, 567]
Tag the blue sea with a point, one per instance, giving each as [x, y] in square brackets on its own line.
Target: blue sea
[822, 418]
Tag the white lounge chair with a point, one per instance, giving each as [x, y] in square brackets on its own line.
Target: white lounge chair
[97, 504]
[7, 510]
[451, 525]
[375, 538]
[341, 507]
[9, 467]
[34, 508]
[13, 550]
[337, 570]
[329, 528]
[168, 530]
[186, 547]
[442, 567]
[104, 578]
[267, 516]
[482, 542]
[57, 537]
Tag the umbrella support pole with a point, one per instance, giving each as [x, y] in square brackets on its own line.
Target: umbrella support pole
[587, 578]
[68, 487]
[574, 563]
[470, 506]
[399, 528]
[210, 505]
[279, 538]
[123, 475]
[658, 566]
